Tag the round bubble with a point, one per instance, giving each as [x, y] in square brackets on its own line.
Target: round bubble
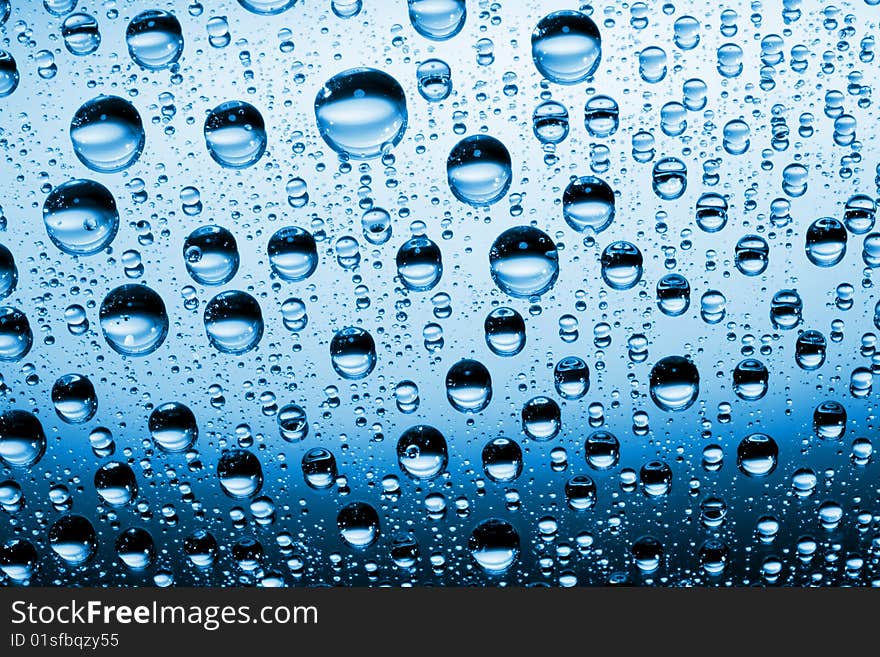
[133, 320]
[107, 134]
[361, 112]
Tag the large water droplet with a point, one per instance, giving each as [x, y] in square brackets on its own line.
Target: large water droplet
[494, 545]
[566, 47]
[826, 242]
[173, 427]
[669, 178]
[435, 80]
[267, 7]
[107, 134]
[235, 134]
[73, 538]
[675, 383]
[81, 217]
[422, 452]
[353, 353]
[502, 459]
[621, 264]
[505, 331]
[588, 204]
[319, 467]
[571, 376]
[479, 170]
[524, 262]
[293, 254]
[9, 75]
[358, 524]
[233, 322]
[419, 264]
[240, 473]
[18, 559]
[211, 255]
[135, 548]
[293, 423]
[8, 272]
[74, 398]
[155, 39]
[438, 20]
[468, 386]
[116, 483]
[133, 320]
[541, 418]
[22, 440]
[750, 378]
[80, 34]
[16, 337]
[361, 112]
[602, 450]
[757, 455]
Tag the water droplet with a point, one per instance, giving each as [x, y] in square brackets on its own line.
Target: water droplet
[361, 112]
[319, 468]
[829, 420]
[358, 524]
[675, 383]
[647, 554]
[541, 418]
[16, 337]
[293, 423]
[235, 134]
[673, 295]
[566, 47]
[353, 353]
[601, 116]
[133, 320]
[505, 331]
[656, 478]
[757, 455]
[621, 265]
[571, 376]
[107, 134]
[752, 255]
[588, 204]
[826, 242]
[437, 20]
[810, 350]
[293, 254]
[81, 217]
[155, 39]
[135, 548]
[711, 212]
[22, 440]
[669, 178]
[9, 75]
[422, 452]
[750, 378]
[468, 386]
[267, 7]
[74, 398]
[73, 538]
[419, 264]
[18, 559]
[240, 473]
[80, 34]
[494, 545]
[173, 427]
[434, 78]
[200, 548]
[233, 322]
[524, 262]
[479, 170]
[550, 122]
[602, 450]
[116, 483]
[211, 255]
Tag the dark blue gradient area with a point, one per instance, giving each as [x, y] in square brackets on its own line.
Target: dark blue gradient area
[438, 293]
